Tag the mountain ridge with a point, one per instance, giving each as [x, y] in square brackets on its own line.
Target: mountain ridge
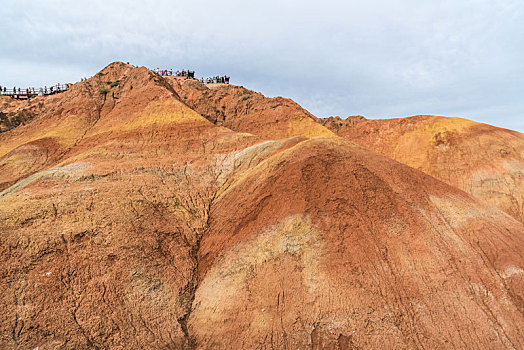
[483, 160]
[131, 216]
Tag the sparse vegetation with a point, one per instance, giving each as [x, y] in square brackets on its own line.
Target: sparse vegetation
[114, 83]
[103, 90]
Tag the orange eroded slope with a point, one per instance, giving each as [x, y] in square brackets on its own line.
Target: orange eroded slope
[130, 220]
[328, 245]
[243, 110]
[483, 160]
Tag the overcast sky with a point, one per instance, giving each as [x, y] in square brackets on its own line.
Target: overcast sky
[380, 59]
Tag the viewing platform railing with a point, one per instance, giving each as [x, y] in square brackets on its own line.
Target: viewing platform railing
[20, 93]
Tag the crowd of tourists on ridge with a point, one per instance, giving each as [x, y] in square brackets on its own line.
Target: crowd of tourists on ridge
[170, 73]
[216, 80]
[191, 75]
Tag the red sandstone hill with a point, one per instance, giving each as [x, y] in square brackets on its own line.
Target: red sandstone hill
[129, 220]
[14, 113]
[485, 161]
[243, 110]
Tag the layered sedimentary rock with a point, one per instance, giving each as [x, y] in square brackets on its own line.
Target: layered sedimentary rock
[483, 160]
[130, 220]
[243, 110]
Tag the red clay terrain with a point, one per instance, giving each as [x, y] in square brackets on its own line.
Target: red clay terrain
[243, 110]
[15, 113]
[131, 217]
[483, 160]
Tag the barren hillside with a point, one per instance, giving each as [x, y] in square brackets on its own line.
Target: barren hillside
[483, 160]
[131, 216]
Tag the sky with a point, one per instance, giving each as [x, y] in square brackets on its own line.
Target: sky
[376, 58]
